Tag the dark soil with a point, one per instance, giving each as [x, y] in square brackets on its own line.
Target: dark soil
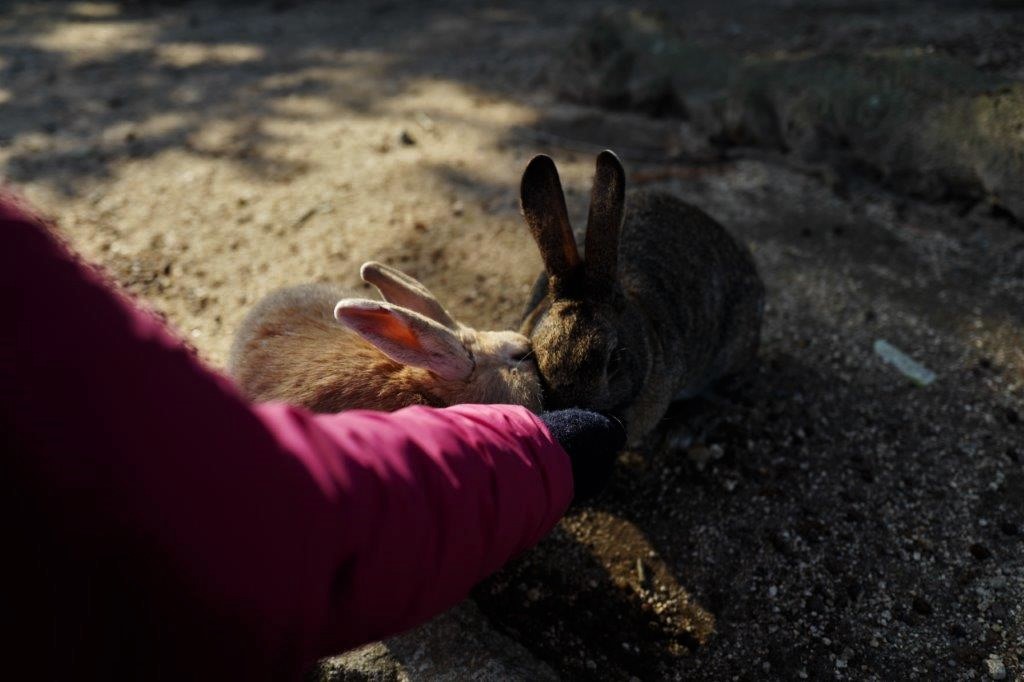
[853, 524]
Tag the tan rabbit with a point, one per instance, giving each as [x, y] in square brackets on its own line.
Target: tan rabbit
[317, 346]
[664, 303]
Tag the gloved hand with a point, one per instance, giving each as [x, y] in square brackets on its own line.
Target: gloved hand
[592, 441]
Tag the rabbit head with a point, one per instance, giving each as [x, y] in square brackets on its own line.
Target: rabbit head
[588, 342]
[413, 329]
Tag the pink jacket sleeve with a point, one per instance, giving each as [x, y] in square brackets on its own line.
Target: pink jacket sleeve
[167, 523]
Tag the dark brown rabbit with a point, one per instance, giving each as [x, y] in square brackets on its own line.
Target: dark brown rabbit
[664, 302]
[315, 345]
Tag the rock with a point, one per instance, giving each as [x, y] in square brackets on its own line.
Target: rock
[996, 668]
[927, 123]
[372, 662]
[406, 138]
[907, 366]
[425, 121]
[630, 59]
[458, 645]
[699, 455]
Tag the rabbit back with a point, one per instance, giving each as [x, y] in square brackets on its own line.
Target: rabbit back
[697, 286]
[290, 348]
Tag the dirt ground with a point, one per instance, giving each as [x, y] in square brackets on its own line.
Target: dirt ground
[824, 518]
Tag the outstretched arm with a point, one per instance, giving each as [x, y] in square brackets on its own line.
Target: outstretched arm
[162, 521]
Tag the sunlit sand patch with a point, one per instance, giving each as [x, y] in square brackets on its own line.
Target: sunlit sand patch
[1002, 342]
[153, 126]
[636, 567]
[304, 107]
[94, 10]
[188, 55]
[95, 41]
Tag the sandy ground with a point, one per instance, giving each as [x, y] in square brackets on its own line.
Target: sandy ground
[825, 519]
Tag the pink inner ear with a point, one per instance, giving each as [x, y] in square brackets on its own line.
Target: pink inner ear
[381, 323]
[415, 341]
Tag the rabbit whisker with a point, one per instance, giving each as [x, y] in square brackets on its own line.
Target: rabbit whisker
[524, 358]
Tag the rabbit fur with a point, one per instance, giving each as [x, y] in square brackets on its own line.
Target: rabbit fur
[321, 347]
[664, 303]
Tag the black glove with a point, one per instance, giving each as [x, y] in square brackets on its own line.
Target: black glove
[592, 441]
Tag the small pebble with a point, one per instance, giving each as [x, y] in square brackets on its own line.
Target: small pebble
[699, 455]
[406, 138]
[904, 364]
[996, 669]
[424, 121]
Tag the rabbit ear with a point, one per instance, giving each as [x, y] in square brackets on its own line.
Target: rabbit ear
[544, 209]
[407, 337]
[607, 207]
[402, 290]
